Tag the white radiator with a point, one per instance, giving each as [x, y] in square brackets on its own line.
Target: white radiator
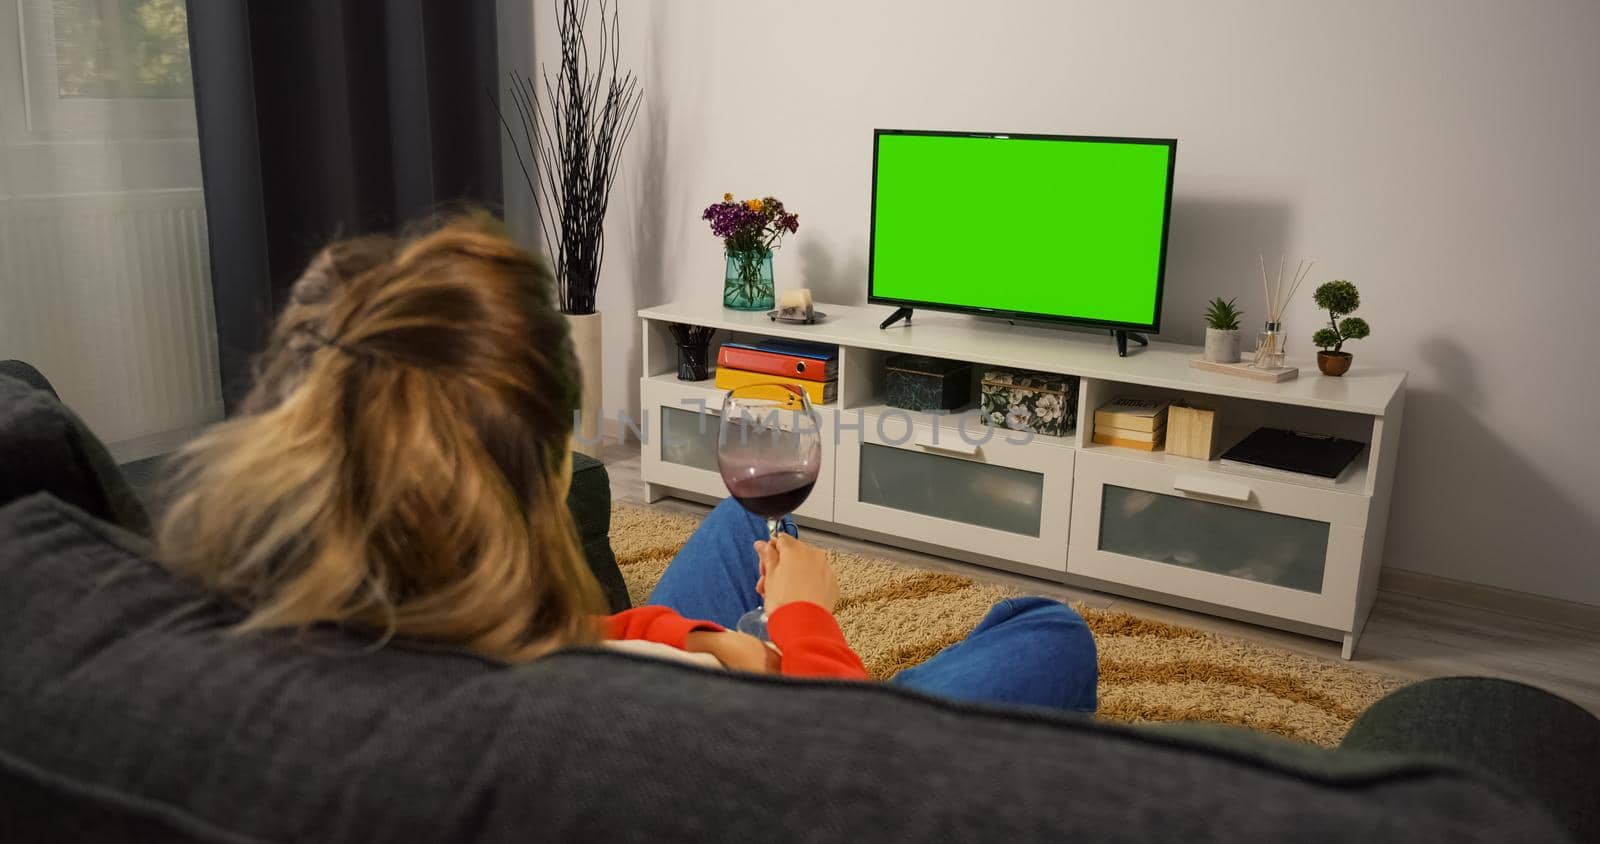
[109, 295]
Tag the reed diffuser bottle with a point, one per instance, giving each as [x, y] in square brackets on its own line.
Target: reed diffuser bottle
[1269, 348]
[1270, 342]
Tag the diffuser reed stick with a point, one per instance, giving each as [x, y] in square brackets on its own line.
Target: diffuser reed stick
[1300, 275]
[1277, 287]
[1266, 289]
[1278, 294]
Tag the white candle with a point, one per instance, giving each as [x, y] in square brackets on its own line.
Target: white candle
[798, 299]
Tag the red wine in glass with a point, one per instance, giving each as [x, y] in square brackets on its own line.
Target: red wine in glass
[774, 495]
[769, 451]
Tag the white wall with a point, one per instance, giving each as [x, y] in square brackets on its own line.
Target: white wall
[1439, 153]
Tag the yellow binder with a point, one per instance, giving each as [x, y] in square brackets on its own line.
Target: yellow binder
[820, 392]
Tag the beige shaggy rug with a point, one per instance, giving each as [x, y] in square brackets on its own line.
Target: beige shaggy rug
[896, 616]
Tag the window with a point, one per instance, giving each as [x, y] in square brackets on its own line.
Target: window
[104, 280]
[117, 49]
[106, 69]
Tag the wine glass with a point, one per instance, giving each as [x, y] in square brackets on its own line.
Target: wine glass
[769, 451]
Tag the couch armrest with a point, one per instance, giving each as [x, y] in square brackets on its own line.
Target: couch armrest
[590, 502]
[45, 447]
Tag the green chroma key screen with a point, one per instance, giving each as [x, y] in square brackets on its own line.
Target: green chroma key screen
[1067, 228]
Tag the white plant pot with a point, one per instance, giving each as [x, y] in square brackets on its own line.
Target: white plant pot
[586, 343]
[1222, 346]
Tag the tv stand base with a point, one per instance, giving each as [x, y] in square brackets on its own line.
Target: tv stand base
[899, 314]
[1123, 336]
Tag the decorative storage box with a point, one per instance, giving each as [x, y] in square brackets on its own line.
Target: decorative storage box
[915, 382]
[1030, 401]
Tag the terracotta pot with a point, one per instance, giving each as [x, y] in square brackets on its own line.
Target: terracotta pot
[1334, 363]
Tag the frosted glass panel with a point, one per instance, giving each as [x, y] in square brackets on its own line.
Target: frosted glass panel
[689, 438]
[1247, 544]
[995, 497]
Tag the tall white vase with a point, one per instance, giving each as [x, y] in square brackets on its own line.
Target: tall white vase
[586, 341]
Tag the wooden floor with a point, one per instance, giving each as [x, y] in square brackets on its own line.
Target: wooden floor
[1406, 636]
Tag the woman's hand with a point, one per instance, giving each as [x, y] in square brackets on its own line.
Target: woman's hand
[736, 651]
[794, 571]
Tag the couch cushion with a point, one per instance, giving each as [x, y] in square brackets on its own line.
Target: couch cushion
[122, 691]
[45, 447]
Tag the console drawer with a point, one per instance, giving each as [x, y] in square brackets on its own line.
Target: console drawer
[925, 483]
[1258, 545]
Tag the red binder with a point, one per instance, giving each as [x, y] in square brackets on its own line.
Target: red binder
[805, 367]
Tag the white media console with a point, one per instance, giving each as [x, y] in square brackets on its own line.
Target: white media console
[1263, 547]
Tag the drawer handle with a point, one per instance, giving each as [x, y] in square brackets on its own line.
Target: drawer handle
[1213, 487]
[951, 443]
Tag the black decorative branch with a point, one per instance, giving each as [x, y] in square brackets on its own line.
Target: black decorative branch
[572, 131]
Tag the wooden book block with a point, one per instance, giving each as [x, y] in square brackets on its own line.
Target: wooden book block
[1192, 432]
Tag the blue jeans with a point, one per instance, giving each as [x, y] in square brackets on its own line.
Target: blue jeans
[1025, 651]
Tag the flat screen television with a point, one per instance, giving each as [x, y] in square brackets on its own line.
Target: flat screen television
[1060, 228]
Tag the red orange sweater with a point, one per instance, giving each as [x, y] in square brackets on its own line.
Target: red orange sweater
[807, 636]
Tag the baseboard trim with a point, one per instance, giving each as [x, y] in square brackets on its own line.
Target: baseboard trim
[611, 432]
[1491, 598]
[619, 433]
[128, 451]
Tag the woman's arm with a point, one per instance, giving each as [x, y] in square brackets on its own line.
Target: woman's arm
[812, 644]
[807, 635]
[800, 590]
[654, 624]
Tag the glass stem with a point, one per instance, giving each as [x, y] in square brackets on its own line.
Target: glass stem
[772, 531]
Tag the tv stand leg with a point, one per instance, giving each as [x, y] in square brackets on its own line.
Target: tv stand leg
[1123, 335]
[899, 314]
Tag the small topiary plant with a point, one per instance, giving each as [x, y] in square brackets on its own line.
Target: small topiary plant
[1339, 299]
[1223, 316]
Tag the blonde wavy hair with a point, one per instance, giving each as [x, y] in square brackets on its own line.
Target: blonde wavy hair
[402, 463]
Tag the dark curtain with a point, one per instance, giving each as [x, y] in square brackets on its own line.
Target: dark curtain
[327, 118]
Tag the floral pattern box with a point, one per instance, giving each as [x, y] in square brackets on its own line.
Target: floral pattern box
[1030, 401]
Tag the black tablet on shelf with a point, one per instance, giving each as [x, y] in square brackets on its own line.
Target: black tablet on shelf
[1318, 455]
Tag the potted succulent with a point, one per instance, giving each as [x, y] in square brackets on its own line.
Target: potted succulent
[1339, 299]
[1222, 331]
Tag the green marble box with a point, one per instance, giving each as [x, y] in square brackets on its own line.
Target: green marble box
[1030, 401]
[916, 382]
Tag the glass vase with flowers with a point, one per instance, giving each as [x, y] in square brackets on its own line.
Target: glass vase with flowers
[750, 229]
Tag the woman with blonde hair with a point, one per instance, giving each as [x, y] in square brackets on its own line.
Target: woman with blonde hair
[401, 467]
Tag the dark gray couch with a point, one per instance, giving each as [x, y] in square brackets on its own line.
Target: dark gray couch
[130, 712]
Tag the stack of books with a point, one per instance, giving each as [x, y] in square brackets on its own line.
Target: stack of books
[813, 367]
[1131, 422]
